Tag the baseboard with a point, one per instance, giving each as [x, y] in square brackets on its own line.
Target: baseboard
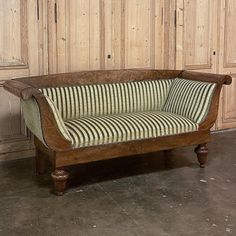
[17, 155]
[223, 130]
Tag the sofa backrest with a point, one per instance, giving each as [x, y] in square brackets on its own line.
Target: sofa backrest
[190, 99]
[106, 99]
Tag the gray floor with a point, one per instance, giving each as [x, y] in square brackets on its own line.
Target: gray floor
[147, 195]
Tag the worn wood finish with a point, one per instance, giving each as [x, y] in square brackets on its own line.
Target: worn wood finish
[61, 152]
[40, 161]
[98, 77]
[60, 177]
[202, 151]
[103, 152]
[27, 87]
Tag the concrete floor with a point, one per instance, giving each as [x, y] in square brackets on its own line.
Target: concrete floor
[147, 195]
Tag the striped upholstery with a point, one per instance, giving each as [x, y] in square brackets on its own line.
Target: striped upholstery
[32, 117]
[109, 99]
[109, 113]
[190, 99]
[98, 130]
[60, 123]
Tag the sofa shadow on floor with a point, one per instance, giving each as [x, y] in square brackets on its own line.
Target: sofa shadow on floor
[100, 171]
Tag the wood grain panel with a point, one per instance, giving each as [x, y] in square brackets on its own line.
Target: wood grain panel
[10, 41]
[22, 53]
[139, 33]
[230, 33]
[227, 57]
[227, 111]
[227, 62]
[108, 34]
[77, 43]
[196, 35]
[113, 34]
[10, 118]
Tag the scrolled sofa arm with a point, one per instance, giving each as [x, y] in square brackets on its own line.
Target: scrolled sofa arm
[20, 89]
[219, 80]
[195, 96]
[54, 133]
[41, 116]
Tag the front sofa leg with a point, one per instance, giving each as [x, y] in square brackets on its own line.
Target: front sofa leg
[60, 177]
[202, 151]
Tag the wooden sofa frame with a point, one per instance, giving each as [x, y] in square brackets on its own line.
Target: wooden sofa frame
[60, 151]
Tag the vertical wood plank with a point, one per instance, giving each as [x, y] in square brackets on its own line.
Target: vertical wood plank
[138, 33]
[95, 34]
[52, 37]
[159, 34]
[179, 34]
[61, 35]
[79, 27]
[196, 35]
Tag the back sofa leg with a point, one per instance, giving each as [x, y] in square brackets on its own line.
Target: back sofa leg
[202, 151]
[40, 162]
[60, 177]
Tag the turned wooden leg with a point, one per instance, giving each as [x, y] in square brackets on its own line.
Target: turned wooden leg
[40, 162]
[202, 151]
[60, 177]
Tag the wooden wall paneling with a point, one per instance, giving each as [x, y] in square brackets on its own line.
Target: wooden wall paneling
[79, 38]
[159, 34]
[169, 28]
[19, 56]
[227, 52]
[196, 35]
[139, 40]
[228, 107]
[96, 51]
[227, 63]
[106, 34]
[75, 39]
[52, 36]
[42, 38]
[179, 54]
[62, 41]
[10, 44]
[113, 12]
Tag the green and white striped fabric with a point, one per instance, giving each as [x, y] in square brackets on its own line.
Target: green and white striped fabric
[190, 99]
[110, 113]
[60, 123]
[109, 99]
[125, 127]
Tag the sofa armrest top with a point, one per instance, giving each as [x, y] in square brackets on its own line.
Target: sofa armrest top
[207, 77]
[21, 90]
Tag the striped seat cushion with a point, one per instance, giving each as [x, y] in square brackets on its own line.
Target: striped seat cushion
[190, 99]
[109, 99]
[90, 131]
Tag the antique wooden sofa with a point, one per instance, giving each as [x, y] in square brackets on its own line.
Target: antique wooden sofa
[96, 115]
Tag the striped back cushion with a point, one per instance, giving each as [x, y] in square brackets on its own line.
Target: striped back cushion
[190, 99]
[109, 99]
